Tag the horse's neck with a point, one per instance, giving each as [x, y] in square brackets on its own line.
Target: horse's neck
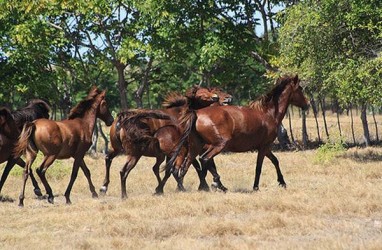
[90, 118]
[281, 106]
[11, 131]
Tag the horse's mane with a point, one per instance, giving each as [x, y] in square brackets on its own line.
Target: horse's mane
[174, 99]
[36, 109]
[272, 95]
[80, 109]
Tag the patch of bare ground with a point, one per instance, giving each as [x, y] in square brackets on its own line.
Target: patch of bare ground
[333, 205]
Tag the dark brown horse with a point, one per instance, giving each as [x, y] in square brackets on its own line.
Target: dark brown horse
[10, 128]
[63, 139]
[241, 129]
[162, 142]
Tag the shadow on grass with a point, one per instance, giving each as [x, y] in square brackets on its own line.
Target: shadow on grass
[363, 156]
[6, 199]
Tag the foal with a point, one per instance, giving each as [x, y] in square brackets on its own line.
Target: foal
[63, 139]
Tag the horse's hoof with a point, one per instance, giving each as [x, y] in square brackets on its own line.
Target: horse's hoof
[95, 195]
[283, 185]
[256, 189]
[37, 192]
[158, 192]
[205, 188]
[103, 190]
[21, 205]
[51, 200]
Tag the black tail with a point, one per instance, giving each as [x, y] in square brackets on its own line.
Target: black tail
[187, 123]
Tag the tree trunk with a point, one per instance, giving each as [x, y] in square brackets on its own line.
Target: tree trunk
[290, 126]
[315, 112]
[93, 147]
[282, 137]
[324, 117]
[106, 150]
[304, 131]
[144, 84]
[366, 134]
[352, 124]
[375, 124]
[338, 123]
[122, 85]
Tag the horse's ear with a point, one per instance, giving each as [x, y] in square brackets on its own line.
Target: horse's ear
[296, 82]
[295, 79]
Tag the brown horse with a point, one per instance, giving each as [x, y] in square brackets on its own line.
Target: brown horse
[63, 139]
[241, 129]
[10, 127]
[161, 143]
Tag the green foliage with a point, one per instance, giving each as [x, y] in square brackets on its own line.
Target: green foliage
[329, 151]
[335, 46]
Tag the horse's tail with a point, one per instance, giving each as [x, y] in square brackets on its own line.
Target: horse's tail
[24, 141]
[187, 123]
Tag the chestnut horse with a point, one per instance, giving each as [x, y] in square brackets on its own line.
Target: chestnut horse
[63, 139]
[241, 129]
[11, 123]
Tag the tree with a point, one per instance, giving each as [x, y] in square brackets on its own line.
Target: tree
[330, 43]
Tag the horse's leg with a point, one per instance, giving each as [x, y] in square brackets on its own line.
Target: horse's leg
[129, 165]
[259, 165]
[30, 157]
[202, 173]
[48, 160]
[86, 171]
[216, 177]
[179, 181]
[160, 158]
[159, 188]
[37, 189]
[275, 162]
[76, 165]
[108, 159]
[10, 163]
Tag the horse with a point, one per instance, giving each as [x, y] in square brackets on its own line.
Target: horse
[162, 142]
[241, 129]
[71, 137]
[10, 126]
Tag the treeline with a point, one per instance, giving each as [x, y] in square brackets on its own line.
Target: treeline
[142, 49]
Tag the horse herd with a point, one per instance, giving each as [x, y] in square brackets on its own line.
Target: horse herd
[199, 123]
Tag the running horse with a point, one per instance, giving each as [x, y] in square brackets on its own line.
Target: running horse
[155, 136]
[71, 137]
[241, 129]
[11, 123]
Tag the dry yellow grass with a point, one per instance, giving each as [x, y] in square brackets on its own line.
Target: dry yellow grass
[336, 205]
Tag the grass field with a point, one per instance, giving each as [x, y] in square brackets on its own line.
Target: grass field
[333, 203]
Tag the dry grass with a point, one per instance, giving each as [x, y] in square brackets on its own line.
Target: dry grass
[335, 205]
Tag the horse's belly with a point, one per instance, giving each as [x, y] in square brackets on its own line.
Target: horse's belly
[241, 145]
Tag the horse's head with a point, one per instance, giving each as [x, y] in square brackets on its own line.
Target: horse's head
[201, 97]
[297, 97]
[103, 111]
[224, 98]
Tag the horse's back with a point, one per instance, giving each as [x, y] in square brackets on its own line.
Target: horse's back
[233, 125]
